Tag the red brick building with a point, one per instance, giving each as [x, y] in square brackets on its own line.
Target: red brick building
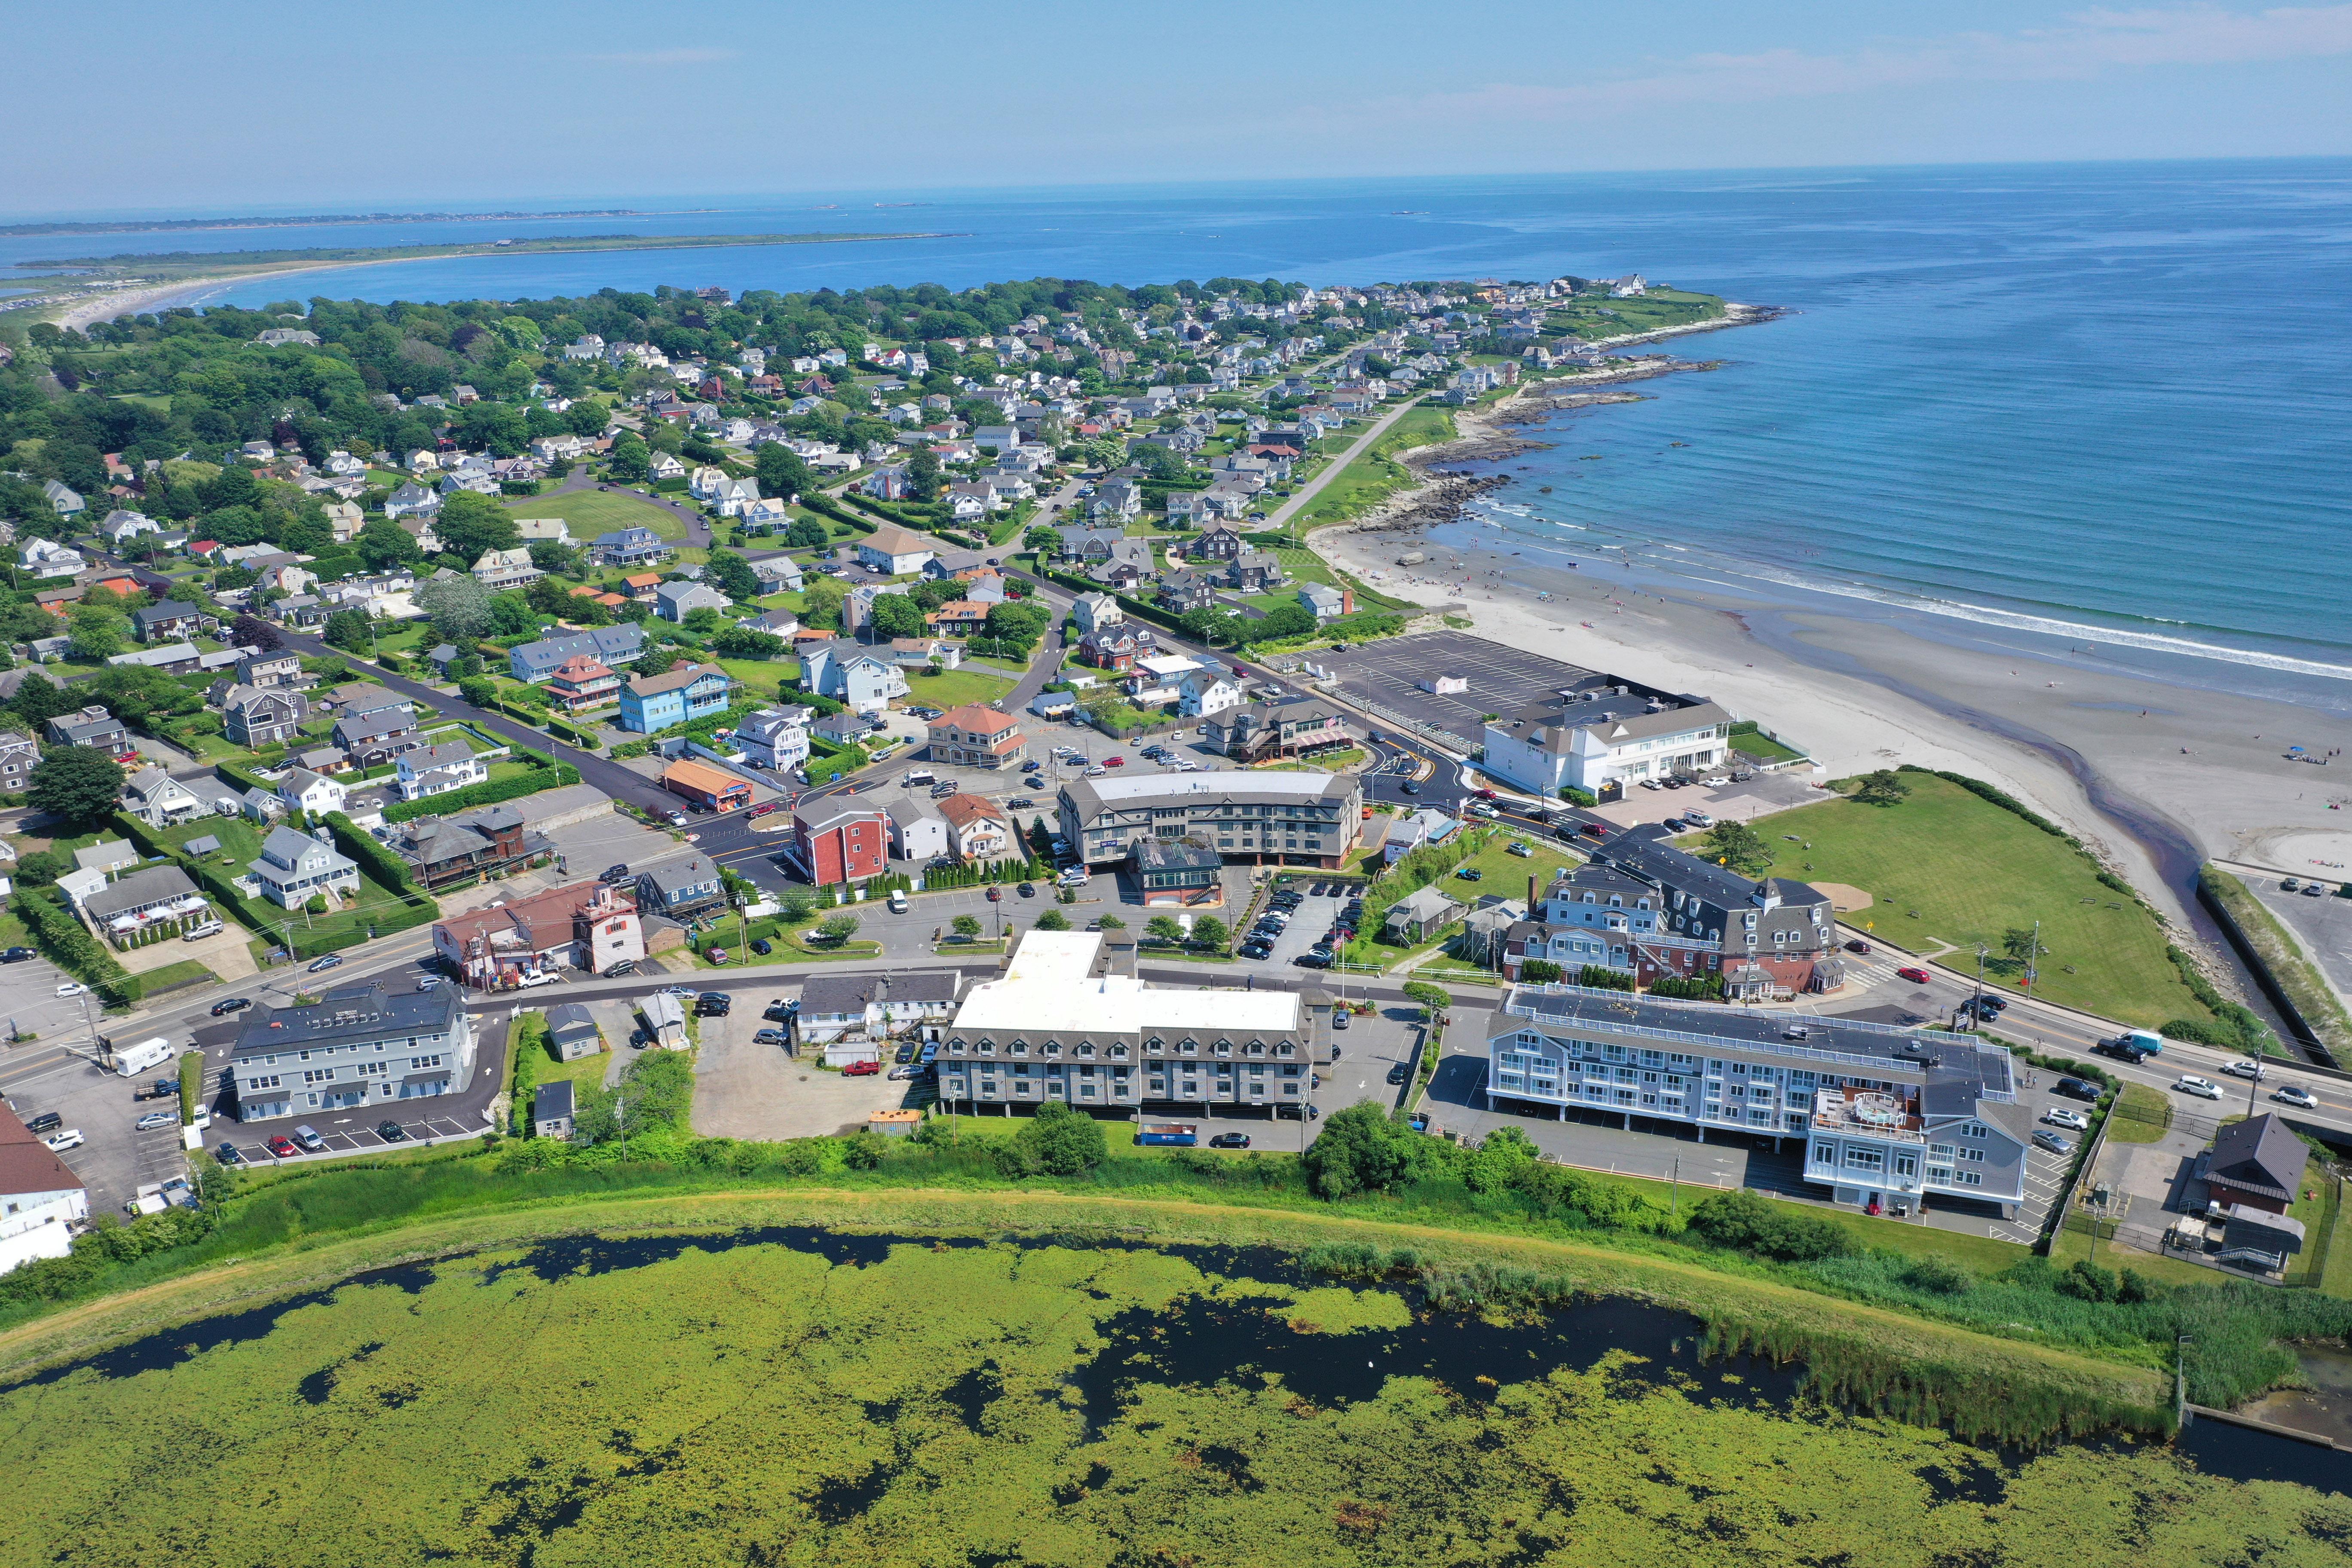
[839, 843]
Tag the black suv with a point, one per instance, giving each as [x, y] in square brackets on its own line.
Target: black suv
[712, 1004]
[2076, 1089]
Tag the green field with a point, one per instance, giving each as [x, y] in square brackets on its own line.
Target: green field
[1593, 320]
[534, 1396]
[1375, 475]
[591, 513]
[1948, 870]
[954, 688]
[241, 845]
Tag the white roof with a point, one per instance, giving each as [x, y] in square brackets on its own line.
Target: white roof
[1050, 986]
[1168, 665]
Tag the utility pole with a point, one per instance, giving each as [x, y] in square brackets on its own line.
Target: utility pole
[1976, 1007]
[1674, 1191]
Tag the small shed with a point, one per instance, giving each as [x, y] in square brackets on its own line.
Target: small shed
[665, 1018]
[571, 1030]
[551, 1109]
[893, 1123]
[208, 844]
[2255, 1163]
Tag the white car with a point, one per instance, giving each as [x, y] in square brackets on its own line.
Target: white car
[71, 988]
[1717, 782]
[58, 1142]
[2203, 1088]
[2245, 1069]
[1698, 818]
[1481, 808]
[2075, 1120]
[2295, 1095]
[544, 977]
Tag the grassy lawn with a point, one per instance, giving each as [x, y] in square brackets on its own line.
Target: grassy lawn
[1946, 866]
[241, 845]
[1747, 742]
[2148, 1127]
[588, 1072]
[1375, 475]
[2070, 1246]
[187, 971]
[1593, 320]
[1330, 764]
[954, 688]
[591, 513]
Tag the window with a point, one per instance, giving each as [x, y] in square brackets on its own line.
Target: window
[419, 1063]
[1864, 1160]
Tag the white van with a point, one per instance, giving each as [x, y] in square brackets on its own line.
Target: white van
[897, 901]
[130, 1061]
[919, 776]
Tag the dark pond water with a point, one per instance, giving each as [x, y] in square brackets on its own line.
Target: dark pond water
[1200, 1341]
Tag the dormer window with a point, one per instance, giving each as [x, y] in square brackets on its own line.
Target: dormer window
[1053, 1047]
[988, 1047]
[1257, 1047]
[1085, 1049]
[1020, 1047]
[1119, 1053]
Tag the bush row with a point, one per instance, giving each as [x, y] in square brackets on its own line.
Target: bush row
[549, 775]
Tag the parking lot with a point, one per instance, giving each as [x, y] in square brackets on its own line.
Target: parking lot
[1501, 679]
[1317, 910]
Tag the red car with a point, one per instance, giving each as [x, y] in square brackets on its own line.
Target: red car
[1485, 795]
[1113, 762]
[766, 808]
[1916, 976]
[995, 895]
[861, 1070]
[283, 1147]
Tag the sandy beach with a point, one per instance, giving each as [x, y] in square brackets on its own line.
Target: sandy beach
[2157, 774]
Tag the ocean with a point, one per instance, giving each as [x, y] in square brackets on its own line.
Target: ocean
[2109, 401]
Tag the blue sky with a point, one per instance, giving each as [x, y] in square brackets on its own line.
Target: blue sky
[132, 104]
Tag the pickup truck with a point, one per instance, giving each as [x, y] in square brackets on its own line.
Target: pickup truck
[161, 1089]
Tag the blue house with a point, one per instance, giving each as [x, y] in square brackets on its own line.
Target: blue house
[651, 702]
[613, 644]
[628, 547]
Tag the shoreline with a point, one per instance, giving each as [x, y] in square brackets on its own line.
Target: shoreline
[2153, 768]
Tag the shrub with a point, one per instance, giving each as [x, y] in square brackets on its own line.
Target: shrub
[74, 950]
[488, 794]
[1056, 1141]
[1741, 1219]
[374, 859]
[1599, 977]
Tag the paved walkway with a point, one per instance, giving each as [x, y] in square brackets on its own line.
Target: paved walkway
[1280, 518]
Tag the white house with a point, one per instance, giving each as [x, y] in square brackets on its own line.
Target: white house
[676, 600]
[917, 833]
[776, 737]
[437, 770]
[159, 800]
[1208, 691]
[41, 1200]
[45, 558]
[1599, 740]
[894, 551]
[295, 868]
[314, 792]
[853, 675]
[1093, 611]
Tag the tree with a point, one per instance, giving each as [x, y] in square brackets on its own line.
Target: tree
[964, 926]
[554, 556]
[1739, 846]
[820, 602]
[701, 621]
[807, 534]
[511, 617]
[837, 930]
[923, 475]
[655, 661]
[1042, 539]
[896, 615]
[1740, 1218]
[480, 690]
[1112, 922]
[98, 633]
[1356, 1151]
[626, 461]
[737, 640]
[1163, 928]
[1883, 787]
[39, 700]
[136, 694]
[733, 576]
[1209, 932]
[780, 470]
[1212, 624]
[1280, 622]
[252, 631]
[349, 631]
[1053, 920]
[76, 784]
[1060, 1142]
[472, 525]
[459, 607]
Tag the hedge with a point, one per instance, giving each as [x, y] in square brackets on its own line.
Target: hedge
[374, 859]
[69, 945]
[530, 1048]
[191, 1085]
[488, 794]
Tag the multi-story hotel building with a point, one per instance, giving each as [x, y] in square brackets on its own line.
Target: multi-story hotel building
[1887, 1115]
[1058, 1026]
[1283, 819]
[361, 1047]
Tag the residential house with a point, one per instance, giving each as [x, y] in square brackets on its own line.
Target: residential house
[1326, 602]
[542, 531]
[92, 726]
[270, 670]
[502, 568]
[437, 770]
[1205, 692]
[853, 675]
[691, 691]
[65, 499]
[1090, 611]
[847, 1014]
[1128, 563]
[665, 466]
[681, 886]
[307, 790]
[159, 898]
[159, 800]
[776, 738]
[585, 926]
[571, 1031]
[778, 574]
[833, 841]
[958, 618]
[976, 736]
[254, 716]
[169, 621]
[775, 622]
[917, 832]
[628, 547]
[976, 827]
[18, 755]
[1257, 733]
[442, 850]
[894, 551]
[1115, 499]
[170, 657]
[612, 646]
[1118, 646]
[412, 500]
[553, 1109]
[122, 529]
[43, 558]
[1421, 915]
[581, 683]
[371, 739]
[1254, 572]
[2256, 1163]
[1090, 545]
[1182, 591]
[295, 868]
[290, 1060]
[674, 601]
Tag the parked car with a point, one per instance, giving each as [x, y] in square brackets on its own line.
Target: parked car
[1028, 890]
[392, 1132]
[2313, 890]
[2295, 1095]
[995, 894]
[763, 947]
[1314, 958]
[905, 1071]
[536, 979]
[1519, 849]
[58, 1142]
[47, 1122]
[428, 982]
[232, 1004]
[1912, 973]
[771, 1038]
[2059, 1116]
[156, 1118]
[1470, 873]
[2289, 885]
[331, 961]
[283, 1147]
[71, 989]
[2077, 1088]
[713, 1005]
[229, 1154]
[2202, 1088]
[1230, 1141]
[861, 1070]
[2052, 1141]
[15, 956]
[1398, 1073]
[2245, 1069]
[307, 1137]
[1256, 950]
[1113, 762]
